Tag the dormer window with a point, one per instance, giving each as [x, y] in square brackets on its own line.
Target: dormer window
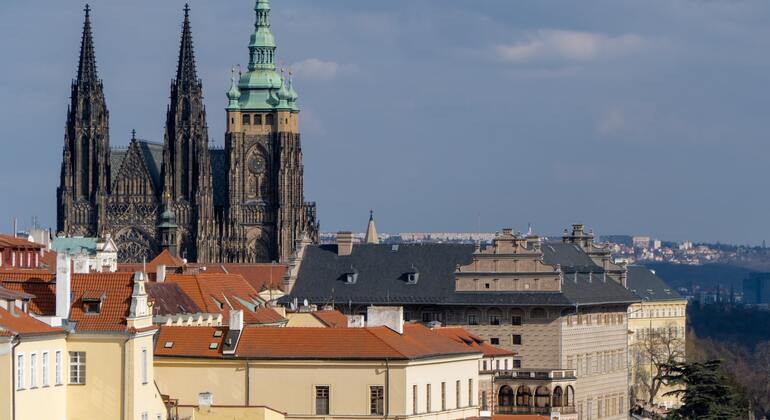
[412, 278]
[351, 278]
[92, 302]
[92, 307]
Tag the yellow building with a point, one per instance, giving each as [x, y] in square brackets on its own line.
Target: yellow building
[656, 324]
[404, 371]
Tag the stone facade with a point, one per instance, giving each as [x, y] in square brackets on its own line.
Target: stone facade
[243, 204]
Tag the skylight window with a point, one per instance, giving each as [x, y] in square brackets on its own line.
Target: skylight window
[213, 346]
[169, 344]
[218, 333]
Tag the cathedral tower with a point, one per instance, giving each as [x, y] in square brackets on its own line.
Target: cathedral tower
[186, 168]
[85, 180]
[266, 214]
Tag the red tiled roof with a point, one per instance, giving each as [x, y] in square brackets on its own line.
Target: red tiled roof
[40, 283]
[332, 318]
[461, 335]
[259, 276]
[48, 260]
[13, 294]
[169, 299]
[165, 258]
[321, 343]
[22, 323]
[218, 293]
[8, 241]
[186, 341]
[117, 288]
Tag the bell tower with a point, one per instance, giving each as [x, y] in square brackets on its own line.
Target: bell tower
[266, 205]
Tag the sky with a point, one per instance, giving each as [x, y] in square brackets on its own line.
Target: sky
[646, 118]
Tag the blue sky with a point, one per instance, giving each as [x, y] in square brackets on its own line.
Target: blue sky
[632, 117]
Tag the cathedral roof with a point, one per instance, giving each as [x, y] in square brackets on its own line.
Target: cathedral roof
[152, 155]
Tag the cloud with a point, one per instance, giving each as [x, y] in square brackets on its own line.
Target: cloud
[317, 69]
[563, 45]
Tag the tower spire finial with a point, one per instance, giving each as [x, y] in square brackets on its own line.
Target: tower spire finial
[133, 134]
[186, 73]
[87, 62]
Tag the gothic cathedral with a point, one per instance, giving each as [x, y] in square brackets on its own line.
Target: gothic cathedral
[243, 204]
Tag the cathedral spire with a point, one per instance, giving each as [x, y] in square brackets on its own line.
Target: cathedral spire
[262, 45]
[371, 231]
[87, 64]
[186, 73]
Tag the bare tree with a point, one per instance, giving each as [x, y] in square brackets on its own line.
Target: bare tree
[653, 353]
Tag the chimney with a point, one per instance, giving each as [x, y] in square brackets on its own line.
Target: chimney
[160, 275]
[63, 285]
[344, 243]
[388, 316]
[236, 320]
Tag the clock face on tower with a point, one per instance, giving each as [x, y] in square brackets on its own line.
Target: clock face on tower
[256, 164]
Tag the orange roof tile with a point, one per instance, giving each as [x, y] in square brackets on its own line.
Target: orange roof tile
[40, 283]
[187, 341]
[259, 276]
[22, 323]
[165, 258]
[461, 335]
[219, 293]
[320, 343]
[332, 318]
[117, 288]
[9, 241]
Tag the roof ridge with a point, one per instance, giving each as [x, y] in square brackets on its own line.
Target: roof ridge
[370, 330]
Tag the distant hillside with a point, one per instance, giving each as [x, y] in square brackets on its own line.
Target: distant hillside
[707, 275]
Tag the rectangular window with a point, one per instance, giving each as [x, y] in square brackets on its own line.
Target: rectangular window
[322, 400]
[20, 371]
[494, 341]
[376, 400]
[427, 398]
[494, 320]
[516, 339]
[484, 406]
[57, 373]
[484, 363]
[457, 394]
[45, 369]
[77, 368]
[473, 319]
[517, 363]
[246, 119]
[414, 399]
[515, 320]
[443, 396]
[144, 366]
[33, 370]
[257, 119]
[497, 365]
[470, 392]
[506, 364]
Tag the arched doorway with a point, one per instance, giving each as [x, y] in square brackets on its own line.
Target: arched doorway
[523, 396]
[505, 399]
[569, 396]
[542, 397]
[558, 397]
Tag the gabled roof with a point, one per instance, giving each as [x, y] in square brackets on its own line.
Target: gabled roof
[373, 343]
[648, 286]
[165, 258]
[461, 335]
[115, 306]
[23, 324]
[220, 293]
[259, 276]
[190, 341]
[382, 273]
[150, 153]
[169, 299]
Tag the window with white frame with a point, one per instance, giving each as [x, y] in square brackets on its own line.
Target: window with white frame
[33, 370]
[57, 368]
[77, 367]
[19, 371]
[44, 370]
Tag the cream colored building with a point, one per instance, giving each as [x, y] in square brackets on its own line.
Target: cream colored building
[340, 373]
[662, 313]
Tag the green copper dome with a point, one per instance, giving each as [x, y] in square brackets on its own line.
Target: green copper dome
[262, 87]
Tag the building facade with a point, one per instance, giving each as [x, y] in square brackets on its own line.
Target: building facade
[560, 306]
[242, 204]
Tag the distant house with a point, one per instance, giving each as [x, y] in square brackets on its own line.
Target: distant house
[89, 254]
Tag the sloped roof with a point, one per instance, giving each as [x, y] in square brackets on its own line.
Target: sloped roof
[382, 274]
[74, 246]
[152, 155]
[332, 318]
[21, 323]
[219, 293]
[461, 335]
[316, 343]
[259, 276]
[190, 341]
[169, 299]
[648, 286]
[40, 283]
[9, 241]
[115, 307]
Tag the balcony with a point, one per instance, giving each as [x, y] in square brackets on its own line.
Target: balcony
[536, 374]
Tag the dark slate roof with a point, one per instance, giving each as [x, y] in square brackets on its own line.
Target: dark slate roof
[171, 300]
[218, 176]
[382, 279]
[645, 284]
[153, 159]
[569, 256]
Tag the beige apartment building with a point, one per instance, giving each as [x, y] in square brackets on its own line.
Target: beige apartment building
[657, 328]
[560, 306]
[395, 371]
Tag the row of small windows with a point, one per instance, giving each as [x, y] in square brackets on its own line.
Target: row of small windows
[597, 363]
[257, 119]
[516, 317]
[658, 313]
[41, 377]
[515, 340]
[598, 319]
[496, 365]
